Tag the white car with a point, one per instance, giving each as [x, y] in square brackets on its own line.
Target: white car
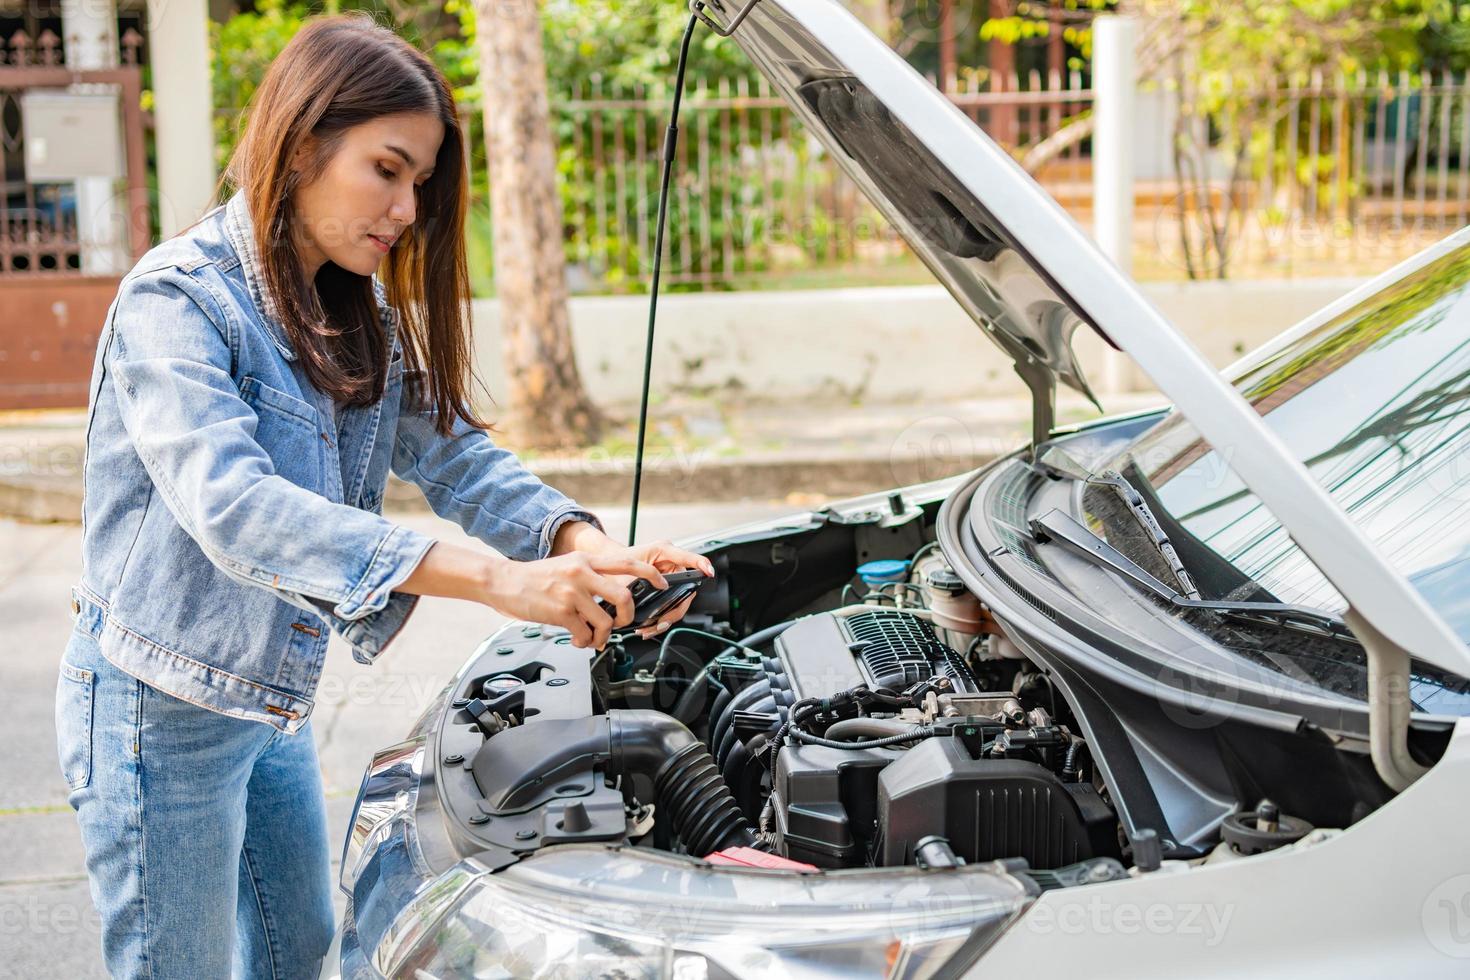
[1172, 694]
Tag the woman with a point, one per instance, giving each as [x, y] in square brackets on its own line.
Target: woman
[253, 386]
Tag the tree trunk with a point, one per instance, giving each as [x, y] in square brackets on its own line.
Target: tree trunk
[546, 406]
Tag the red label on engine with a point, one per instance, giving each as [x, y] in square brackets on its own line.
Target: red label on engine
[749, 857]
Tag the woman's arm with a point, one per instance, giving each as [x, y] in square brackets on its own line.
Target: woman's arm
[581, 536]
[584, 563]
[559, 591]
[480, 486]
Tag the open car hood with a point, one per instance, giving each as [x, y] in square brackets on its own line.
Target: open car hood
[1029, 276]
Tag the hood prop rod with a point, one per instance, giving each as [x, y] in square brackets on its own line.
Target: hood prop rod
[671, 141]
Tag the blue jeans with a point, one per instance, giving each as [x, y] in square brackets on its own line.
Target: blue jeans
[206, 835]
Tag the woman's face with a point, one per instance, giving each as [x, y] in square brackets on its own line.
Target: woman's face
[354, 212]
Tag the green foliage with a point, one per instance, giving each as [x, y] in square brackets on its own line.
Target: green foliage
[242, 48]
[729, 216]
[596, 51]
[1013, 30]
[1284, 37]
[608, 164]
[632, 43]
[1234, 48]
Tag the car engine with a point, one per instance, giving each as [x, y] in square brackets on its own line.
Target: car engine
[940, 757]
[857, 736]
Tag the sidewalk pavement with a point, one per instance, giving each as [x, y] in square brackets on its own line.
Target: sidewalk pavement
[699, 451]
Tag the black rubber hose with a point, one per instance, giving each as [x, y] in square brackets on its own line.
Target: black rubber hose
[733, 766]
[686, 701]
[747, 696]
[721, 699]
[701, 807]
[731, 738]
[697, 696]
[913, 734]
[686, 783]
[1069, 766]
[750, 789]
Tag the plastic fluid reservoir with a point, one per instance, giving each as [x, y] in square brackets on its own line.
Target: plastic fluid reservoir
[954, 606]
[876, 573]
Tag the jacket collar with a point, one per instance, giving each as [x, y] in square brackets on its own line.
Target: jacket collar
[240, 230]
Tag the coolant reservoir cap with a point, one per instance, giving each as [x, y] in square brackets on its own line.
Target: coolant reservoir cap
[946, 580]
[884, 570]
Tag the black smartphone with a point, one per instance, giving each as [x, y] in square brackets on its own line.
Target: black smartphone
[650, 602]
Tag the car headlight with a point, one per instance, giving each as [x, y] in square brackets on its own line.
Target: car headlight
[384, 809]
[587, 910]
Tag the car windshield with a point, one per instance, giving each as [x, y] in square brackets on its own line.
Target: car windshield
[1376, 402]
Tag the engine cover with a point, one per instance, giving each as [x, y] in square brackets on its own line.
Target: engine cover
[886, 648]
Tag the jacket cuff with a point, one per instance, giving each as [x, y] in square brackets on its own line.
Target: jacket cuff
[397, 555]
[369, 637]
[564, 514]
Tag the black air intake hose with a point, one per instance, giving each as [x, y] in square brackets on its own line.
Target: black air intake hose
[747, 696]
[700, 806]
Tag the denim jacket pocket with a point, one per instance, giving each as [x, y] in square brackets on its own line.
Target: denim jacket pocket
[289, 431]
[74, 725]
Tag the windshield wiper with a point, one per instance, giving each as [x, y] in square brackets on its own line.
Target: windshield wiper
[1142, 513]
[1059, 463]
[1063, 529]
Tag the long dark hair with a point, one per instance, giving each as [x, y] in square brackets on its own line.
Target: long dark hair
[336, 73]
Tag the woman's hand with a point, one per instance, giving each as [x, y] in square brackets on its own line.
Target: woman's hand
[667, 558]
[563, 591]
[663, 555]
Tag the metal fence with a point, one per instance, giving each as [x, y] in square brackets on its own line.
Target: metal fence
[1306, 176]
[752, 194]
[1319, 175]
[40, 223]
[754, 198]
[1315, 174]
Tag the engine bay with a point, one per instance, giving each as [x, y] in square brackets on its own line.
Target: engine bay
[837, 698]
[881, 723]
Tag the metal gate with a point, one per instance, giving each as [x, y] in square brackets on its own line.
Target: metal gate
[51, 308]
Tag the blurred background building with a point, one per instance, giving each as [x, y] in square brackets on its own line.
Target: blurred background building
[106, 144]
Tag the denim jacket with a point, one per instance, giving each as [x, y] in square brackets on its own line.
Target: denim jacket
[231, 512]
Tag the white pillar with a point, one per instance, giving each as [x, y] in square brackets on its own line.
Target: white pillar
[183, 110]
[89, 29]
[1114, 87]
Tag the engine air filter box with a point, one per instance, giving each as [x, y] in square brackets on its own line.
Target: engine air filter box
[989, 809]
